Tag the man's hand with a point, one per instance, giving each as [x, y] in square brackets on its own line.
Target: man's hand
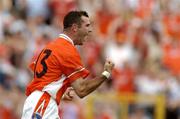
[69, 94]
[108, 66]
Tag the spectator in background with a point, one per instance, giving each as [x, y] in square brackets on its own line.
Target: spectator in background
[37, 8]
[171, 56]
[173, 96]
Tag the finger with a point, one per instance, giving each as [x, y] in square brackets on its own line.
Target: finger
[71, 93]
[70, 89]
[69, 98]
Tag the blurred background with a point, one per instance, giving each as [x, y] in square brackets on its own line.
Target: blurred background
[142, 37]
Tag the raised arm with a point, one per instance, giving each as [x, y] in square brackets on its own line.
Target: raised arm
[83, 87]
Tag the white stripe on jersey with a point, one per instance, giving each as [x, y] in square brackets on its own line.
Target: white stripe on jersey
[54, 87]
[75, 72]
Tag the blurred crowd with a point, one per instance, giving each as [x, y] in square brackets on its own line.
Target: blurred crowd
[142, 37]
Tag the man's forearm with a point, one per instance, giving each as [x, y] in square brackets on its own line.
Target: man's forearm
[91, 84]
[83, 87]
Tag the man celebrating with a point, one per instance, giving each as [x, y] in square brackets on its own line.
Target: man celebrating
[58, 67]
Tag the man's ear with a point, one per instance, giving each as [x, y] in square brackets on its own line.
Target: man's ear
[74, 27]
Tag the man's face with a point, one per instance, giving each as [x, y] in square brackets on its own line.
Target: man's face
[84, 30]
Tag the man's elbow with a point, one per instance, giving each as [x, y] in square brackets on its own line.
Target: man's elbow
[81, 96]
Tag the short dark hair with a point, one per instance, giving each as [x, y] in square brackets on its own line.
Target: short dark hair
[73, 17]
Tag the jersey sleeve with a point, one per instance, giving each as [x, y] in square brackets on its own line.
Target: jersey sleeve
[72, 66]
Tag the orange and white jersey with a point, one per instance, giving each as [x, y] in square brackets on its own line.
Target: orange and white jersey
[56, 67]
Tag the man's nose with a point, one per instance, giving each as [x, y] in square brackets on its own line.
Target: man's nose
[90, 30]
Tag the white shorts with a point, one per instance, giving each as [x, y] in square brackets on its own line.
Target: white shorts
[40, 105]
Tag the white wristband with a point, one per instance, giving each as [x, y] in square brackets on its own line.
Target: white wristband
[106, 74]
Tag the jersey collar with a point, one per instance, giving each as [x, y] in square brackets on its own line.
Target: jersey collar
[66, 38]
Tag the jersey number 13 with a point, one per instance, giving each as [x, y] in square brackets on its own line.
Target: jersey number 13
[47, 53]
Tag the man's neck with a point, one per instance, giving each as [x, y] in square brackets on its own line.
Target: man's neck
[69, 34]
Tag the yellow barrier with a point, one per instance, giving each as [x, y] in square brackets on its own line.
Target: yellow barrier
[125, 99]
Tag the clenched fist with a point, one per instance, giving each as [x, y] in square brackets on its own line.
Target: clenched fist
[108, 66]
